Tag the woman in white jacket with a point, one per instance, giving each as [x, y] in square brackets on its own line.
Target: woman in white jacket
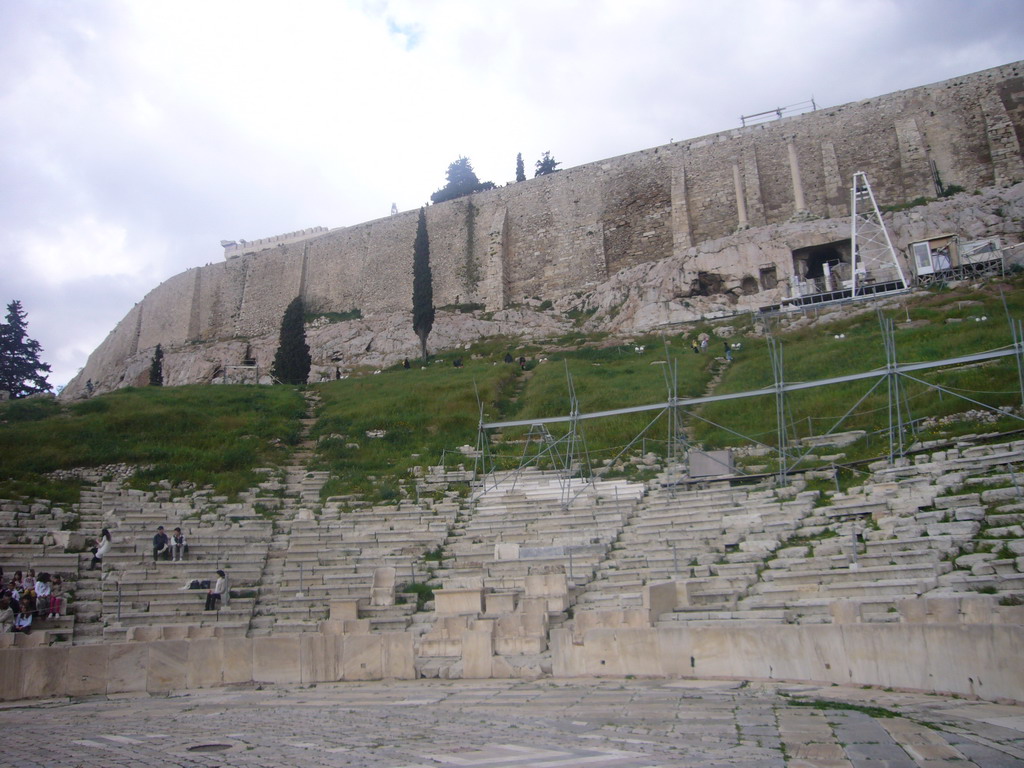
[101, 548]
[218, 594]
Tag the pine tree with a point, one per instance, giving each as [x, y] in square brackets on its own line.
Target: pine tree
[156, 368]
[422, 285]
[547, 164]
[520, 170]
[21, 372]
[462, 181]
[292, 360]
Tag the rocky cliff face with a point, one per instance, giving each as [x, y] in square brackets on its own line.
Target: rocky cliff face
[713, 279]
[706, 281]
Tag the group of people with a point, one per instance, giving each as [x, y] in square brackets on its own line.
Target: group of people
[27, 596]
[173, 547]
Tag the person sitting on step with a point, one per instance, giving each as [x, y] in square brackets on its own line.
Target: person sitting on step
[218, 593]
[161, 544]
[178, 545]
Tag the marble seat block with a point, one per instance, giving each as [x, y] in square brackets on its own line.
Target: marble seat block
[533, 605]
[1011, 614]
[144, 634]
[340, 610]
[500, 602]
[398, 658]
[320, 657]
[86, 673]
[382, 593]
[979, 610]
[912, 611]
[175, 631]
[632, 618]
[553, 587]
[845, 612]
[506, 551]
[237, 657]
[32, 640]
[361, 657]
[943, 610]
[168, 666]
[477, 654]
[346, 627]
[519, 633]
[205, 668]
[456, 601]
[276, 659]
[127, 664]
[201, 633]
[331, 627]
[663, 598]
[43, 672]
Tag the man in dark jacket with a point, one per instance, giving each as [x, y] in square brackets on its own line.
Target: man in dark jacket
[161, 545]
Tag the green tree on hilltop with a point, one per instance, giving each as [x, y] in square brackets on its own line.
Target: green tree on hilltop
[520, 170]
[292, 360]
[156, 368]
[462, 181]
[21, 372]
[422, 284]
[547, 164]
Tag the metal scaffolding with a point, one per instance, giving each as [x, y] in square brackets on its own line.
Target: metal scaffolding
[569, 453]
[876, 268]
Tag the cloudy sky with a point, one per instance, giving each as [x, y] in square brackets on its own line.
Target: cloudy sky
[135, 134]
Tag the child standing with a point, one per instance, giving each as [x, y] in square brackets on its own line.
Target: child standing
[56, 596]
[42, 588]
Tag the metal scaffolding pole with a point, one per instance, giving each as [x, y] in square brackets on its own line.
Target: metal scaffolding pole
[1017, 330]
[778, 372]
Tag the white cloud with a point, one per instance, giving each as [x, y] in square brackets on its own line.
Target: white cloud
[137, 135]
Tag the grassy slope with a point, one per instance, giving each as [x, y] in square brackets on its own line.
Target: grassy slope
[217, 435]
[207, 435]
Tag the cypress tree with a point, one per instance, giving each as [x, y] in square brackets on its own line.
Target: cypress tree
[292, 360]
[21, 372]
[156, 368]
[520, 170]
[422, 285]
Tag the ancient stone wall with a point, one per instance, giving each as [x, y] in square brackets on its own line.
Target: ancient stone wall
[567, 232]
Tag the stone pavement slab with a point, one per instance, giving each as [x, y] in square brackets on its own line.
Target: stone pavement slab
[516, 724]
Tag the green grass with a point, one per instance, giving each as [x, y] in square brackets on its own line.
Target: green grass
[815, 353]
[202, 434]
[421, 413]
[826, 705]
[608, 378]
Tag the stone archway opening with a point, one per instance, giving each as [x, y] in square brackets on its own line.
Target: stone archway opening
[823, 268]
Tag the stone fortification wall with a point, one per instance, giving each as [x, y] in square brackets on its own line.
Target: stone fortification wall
[233, 250]
[570, 231]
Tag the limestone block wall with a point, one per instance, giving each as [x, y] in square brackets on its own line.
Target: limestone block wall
[967, 660]
[962, 659]
[569, 231]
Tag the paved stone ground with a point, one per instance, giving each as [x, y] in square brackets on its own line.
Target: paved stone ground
[514, 724]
